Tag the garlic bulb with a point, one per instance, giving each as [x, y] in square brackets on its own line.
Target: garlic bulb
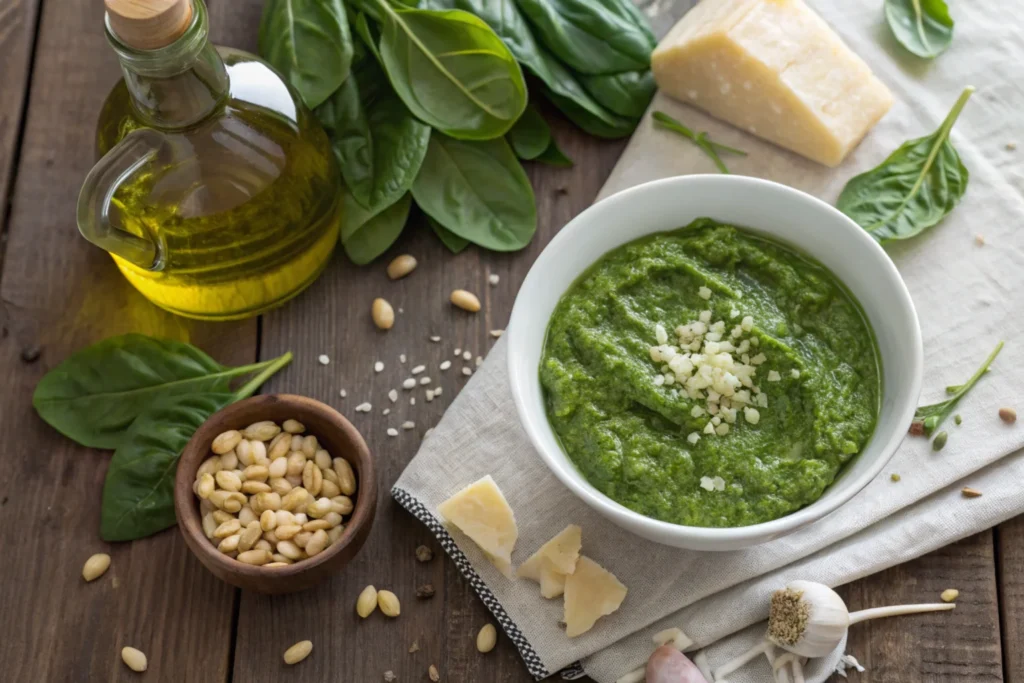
[807, 618]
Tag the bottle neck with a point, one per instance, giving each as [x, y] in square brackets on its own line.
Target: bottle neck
[178, 85]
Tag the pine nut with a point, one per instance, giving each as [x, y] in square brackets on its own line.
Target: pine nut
[317, 542]
[226, 442]
[367, 602]
[316, 525]
[328, 489]
[246, 516]
[257, 557]
[263, 544]
[229, 544]
[284, 517]
[346, 477]
[254, 487]
[322, 459]
[388, 603]
[487, 638]
[268, 520]
[296, 463]
[294, 479]
[382, 313]
[342, 505]
[278, 468]
[297, 652]
[335, 533]
[467, 301]
[244, 452]
[296, 444]
[319, 508]
[221, 498]
[280, 559]
[266, 501]
[256, 473]
[207, 485]
[249, 536]
[280, 486]
[309, 446]
[220, 516]
[332, 518]
[294, 498]
[401, 266]
[280, 446]
[228, 461]
[302, 538]
[277, 564]
[95, 566]
[301, 518]
[293, 427]
[229, 481]
[259, 453]
[312, 477]
[287, 531]
[949, 595]
[209, 525]
[289, 550]
[433, 674]
[271, 537]
[227, 528]
[134, 659]
[209, 466]
[330, 475]
[261, 431]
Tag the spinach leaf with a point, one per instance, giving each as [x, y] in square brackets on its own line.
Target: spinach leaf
[923, 27]
[592, 36]
[378, 143]
[530, 136]
[913, 189]
[479, 191]
[138, 495]
[706, 144]
[931, 416]
[309, 42]
[366, 235]
[94, 395]
[452, 71]
[454, 243]
[553, 156]
[626, 94]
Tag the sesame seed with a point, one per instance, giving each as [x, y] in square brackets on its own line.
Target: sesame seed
[393, 395]
[324, 360]
[467, 372]
[418, 369]
[467, 355]
[424, 380]
[409, 383]
[378, 366]
[493, 278]
[392, 431]
[408, 425]
[445, 364]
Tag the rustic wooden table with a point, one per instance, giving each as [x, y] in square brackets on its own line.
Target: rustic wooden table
[59, 293]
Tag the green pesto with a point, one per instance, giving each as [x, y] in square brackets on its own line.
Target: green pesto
[627, 436]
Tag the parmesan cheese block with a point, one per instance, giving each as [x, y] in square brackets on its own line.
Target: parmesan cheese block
[775, 69]
[591, 592]
[553, 561]
[481, 512]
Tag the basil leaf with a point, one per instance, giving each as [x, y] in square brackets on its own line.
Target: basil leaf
[378, 143]
[309, 42]
[923, 27]
[913, 189]
[592, 36]
[479, 191]
[626, 94]
[931, 416]
[553, 156]
[530, 136]
[452, 71]
[366, 235]
[454, 243]
[138, 495]
[94, 395]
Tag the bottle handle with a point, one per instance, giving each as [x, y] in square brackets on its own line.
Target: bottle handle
[137, 149]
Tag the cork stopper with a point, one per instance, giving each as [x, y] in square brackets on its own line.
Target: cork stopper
[149, 24]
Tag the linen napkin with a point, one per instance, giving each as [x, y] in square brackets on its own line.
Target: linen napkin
[968, 297]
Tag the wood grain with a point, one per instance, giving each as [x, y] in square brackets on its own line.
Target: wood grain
[1010, 571]
[957, 646]
[59, 293]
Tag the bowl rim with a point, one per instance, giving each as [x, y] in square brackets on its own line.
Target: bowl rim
[705, 537]
[186, 504]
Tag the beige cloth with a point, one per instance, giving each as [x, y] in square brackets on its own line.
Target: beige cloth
[967, 296]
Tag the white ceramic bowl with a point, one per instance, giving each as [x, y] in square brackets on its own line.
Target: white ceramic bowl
[781, 212]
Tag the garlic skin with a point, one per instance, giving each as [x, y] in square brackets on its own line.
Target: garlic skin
[808, 619]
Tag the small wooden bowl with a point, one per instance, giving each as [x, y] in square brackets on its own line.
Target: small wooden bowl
[338, 437]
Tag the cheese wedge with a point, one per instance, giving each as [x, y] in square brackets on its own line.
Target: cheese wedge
[552, 583]
[481, 512]
[775, 69]
[556, 558]
[591, 592]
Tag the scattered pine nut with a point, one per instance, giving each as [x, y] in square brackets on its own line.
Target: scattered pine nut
[979, 239]
[388, 603]
[467, 371]
[418, 369]
[968, 492]
[445, 364]
[415, 647]
[134, 659]
[1008, 415]
[433, 674]
[226, 442]
[297, 652]
[382, 313]
[950, 594]
[293, 427]
[487, 638]
[401, 266]
[95, 566]
[366, 603]
[467, 301]
[497, 333]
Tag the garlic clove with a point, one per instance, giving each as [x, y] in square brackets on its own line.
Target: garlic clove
[807, 618]
[669, 665]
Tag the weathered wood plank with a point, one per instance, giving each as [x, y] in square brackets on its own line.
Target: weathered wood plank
[17, 42]
[962, 645]
[60, 293]
[1010, 570]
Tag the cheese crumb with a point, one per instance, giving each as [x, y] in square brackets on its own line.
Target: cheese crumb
[412, 400]
[437, 392]
[794, 373]
[418, 369]
[435, 339]
[386, 411]
[467, 372]
[409, 383]
[773, 376]
[324, 360]
[401, 358]
[707, 484]
[424, 380]
[693, 438]
[467, 355]
[493, 278]
[704, 293]
[408, 424]
[392, 431]
[660, 334]
[751, 415]
[430, 395]
[458, 352]
[343, 393]
[445, 364]
[393, 395]
[378, 366]
[364, 408]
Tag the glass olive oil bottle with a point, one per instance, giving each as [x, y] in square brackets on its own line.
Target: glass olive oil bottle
[217, 191]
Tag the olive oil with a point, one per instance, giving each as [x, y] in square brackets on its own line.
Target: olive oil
[233, 205]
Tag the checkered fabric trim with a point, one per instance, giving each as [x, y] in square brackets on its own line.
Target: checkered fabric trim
[420, 512]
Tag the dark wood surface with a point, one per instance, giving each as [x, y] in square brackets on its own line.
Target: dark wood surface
[58, 294]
